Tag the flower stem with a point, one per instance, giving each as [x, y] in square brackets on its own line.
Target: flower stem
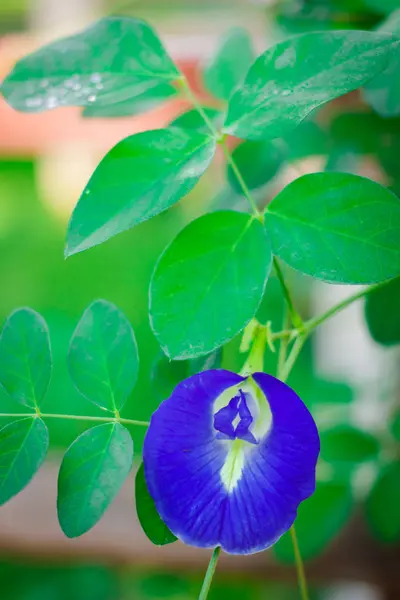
[78, 418]
[301, 575]
[212, 565]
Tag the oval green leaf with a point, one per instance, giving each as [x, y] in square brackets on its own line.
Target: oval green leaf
[314, 226]
[230, 63]
[25, 357]
[382, 312]
[383, 92]
[382, 505]
[103, 357]
[151, 522]
[208, 283]
[139, 178]
[258, 162]
[296, 76]
[346, 445]
[92, 472]
[23, 448]
[150, 99]
[110, 61]
[319, 520]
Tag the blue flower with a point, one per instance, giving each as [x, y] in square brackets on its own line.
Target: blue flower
[228, 460]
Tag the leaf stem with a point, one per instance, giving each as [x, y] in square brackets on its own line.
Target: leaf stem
[239, 178]
[186, 89]
[316, 321]
[294, 315]
[212, 565]
[78, 418]
[301, 575]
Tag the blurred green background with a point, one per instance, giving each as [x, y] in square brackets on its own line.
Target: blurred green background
[358, 494]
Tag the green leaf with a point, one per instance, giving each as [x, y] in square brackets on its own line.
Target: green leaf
[319, 520]
[23, 448]
[92, 472]
[192, 119]
[308, 139]
[166, 374]
[110, 61]
[25, 357]
[150, 99]
[208, 283]
[314, 226]
[103, 357]
[382, 312]
[345, 444]
[258, 162]
[230, 64]
[206, 362]
[155, 529]
[296, 76]
[317, 391]
[382, 6]
[395, 426]
[383, 92]
[139, 178]
[382, 505]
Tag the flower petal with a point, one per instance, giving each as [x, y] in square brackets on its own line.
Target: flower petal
[230, 493]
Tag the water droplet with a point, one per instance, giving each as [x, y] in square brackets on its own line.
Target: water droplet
[95, 78]
[91, 98]
[34, 102]
[286, 93]
[51, 102]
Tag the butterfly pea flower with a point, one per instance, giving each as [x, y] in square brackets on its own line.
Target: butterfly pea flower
[228, 459]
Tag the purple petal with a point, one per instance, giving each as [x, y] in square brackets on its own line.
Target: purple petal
[223, 492]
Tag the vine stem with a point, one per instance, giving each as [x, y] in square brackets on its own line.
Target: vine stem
[186, 89]
[331, 312]
[79, 418]
[286, 365]
[212, 565]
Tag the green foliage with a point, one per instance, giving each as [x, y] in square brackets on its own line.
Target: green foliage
[230, 64]
[103, 356]
[314, 227]
[319, 520]
[193, 119]
[345, 445]
[382, 6]
[149, 99]
[155, 529]
[225, 258]
[92, 472]
[394, 426]
[144, 174]
[383, 92]
[258, 163]
[25, 357]
[382, 505]
[296, 76]
[382, 311]
[113, 60]
[23, 448]
[166, 374]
